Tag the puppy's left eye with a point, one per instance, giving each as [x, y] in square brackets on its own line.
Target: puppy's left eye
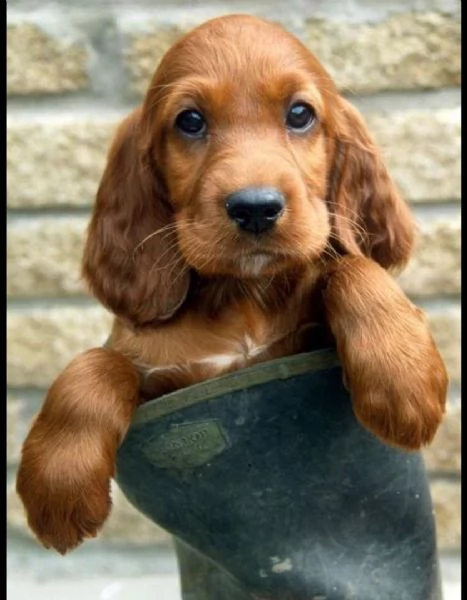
[300, 117]
[191, 123]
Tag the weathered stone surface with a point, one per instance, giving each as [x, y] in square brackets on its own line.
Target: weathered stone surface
[422, 150]
[20, 410]
[435, 268]
[41, 342]
[447, 506]
[446, 328]
[61, 163]
[16, 518]
[13, 418]
[56, 163]
[38, 62]
[406, 51]
[44, 256]
[143, 51]
[444, 454]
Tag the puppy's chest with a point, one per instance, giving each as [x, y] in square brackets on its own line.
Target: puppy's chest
[199, 349]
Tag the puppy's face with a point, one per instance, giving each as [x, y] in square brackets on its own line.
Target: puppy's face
[239, 115]
[242, 161]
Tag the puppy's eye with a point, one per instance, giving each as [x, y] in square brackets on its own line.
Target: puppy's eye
[191, 123]
[300, 117]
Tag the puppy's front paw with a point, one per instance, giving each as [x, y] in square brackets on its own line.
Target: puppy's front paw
[393, 370]
[399, 393]
[404, 414]
[65, 503]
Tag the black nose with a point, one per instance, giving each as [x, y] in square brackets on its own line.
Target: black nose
[255, 209]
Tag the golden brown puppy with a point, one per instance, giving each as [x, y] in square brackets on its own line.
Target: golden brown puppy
[244, 211]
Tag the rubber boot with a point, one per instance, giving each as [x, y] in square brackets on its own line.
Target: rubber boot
[272, 490]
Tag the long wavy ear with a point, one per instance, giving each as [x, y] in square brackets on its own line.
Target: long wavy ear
[369, 217]
[131, 260]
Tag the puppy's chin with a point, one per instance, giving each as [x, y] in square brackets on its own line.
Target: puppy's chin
[254, 265]
[259, 265]
[241, 266]
[244, 266]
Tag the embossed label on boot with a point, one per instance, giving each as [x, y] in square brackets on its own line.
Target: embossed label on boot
[187, 445]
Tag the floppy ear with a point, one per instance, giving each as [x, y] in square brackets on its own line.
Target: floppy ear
[131, 260]
[369, 217]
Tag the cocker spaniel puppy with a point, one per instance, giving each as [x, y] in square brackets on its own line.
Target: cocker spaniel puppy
[244, 214]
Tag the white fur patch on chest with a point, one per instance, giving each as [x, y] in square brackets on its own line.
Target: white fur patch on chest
[253, 265]
[247, 350]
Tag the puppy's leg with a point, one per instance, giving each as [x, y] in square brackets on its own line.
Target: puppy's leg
[68, 457]
[393, 369]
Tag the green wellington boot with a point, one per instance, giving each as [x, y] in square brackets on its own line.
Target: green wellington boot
[272, 490]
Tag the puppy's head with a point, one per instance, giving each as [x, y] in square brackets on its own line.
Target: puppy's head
[243, 161]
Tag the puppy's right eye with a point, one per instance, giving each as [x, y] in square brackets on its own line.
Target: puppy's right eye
[191, 123]
[300, 117]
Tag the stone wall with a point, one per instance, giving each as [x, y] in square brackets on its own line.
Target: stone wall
[75, 68]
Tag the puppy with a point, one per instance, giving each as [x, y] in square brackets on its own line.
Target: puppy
[244, 214]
